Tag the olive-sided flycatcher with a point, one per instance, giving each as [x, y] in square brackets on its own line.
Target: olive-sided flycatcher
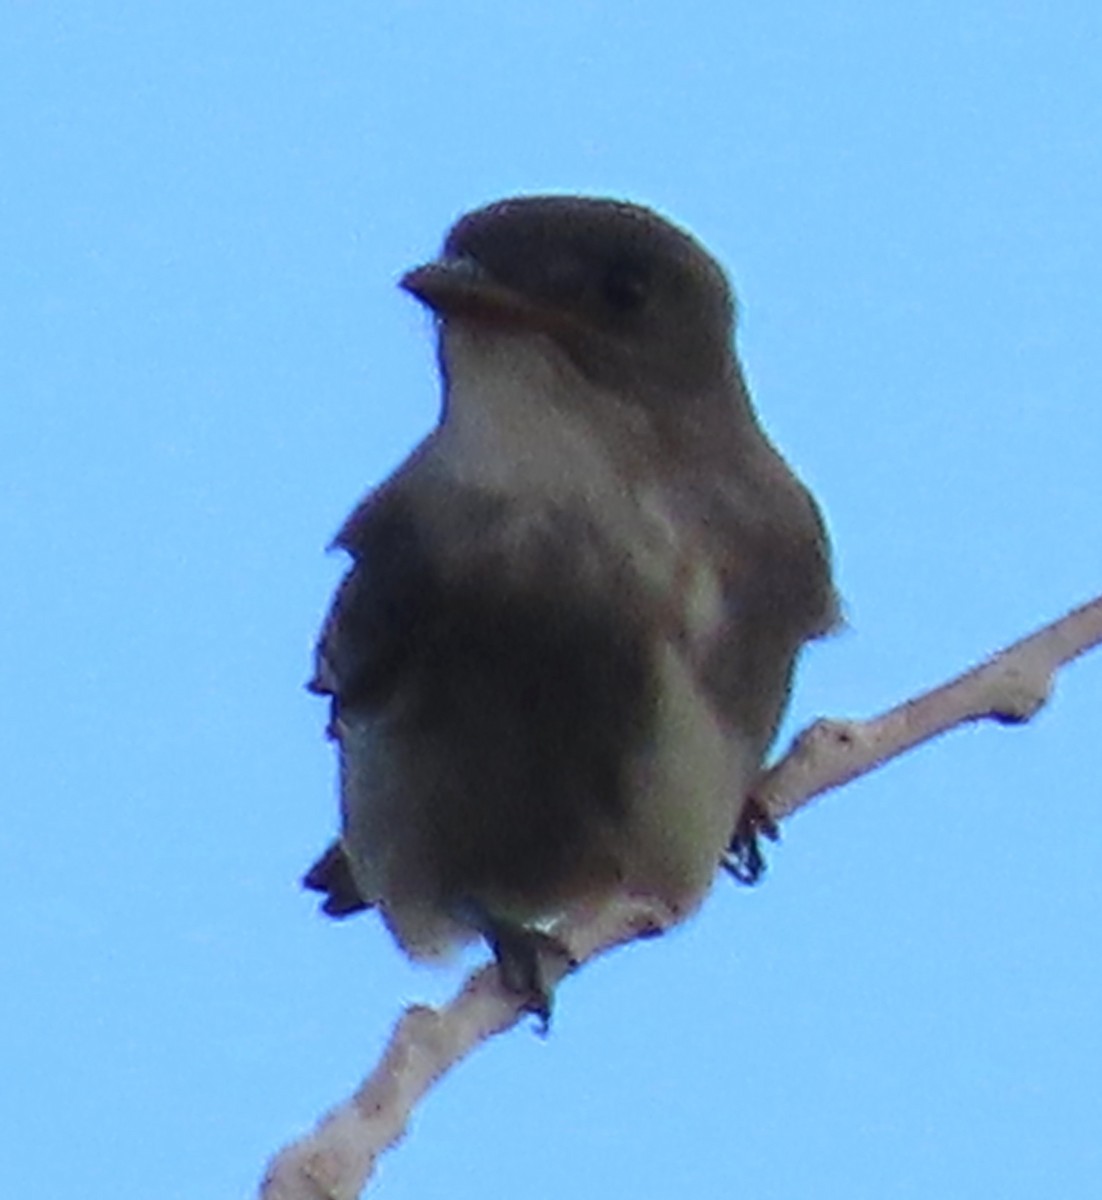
[569, 628]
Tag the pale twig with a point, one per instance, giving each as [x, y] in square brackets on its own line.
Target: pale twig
[1010, 687]
[336, 1159]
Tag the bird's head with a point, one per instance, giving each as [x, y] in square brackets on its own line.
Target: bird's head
[618, 288]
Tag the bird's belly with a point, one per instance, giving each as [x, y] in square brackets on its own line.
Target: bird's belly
[528, 787]
[689, 783]
[551, 745]
[501, 771]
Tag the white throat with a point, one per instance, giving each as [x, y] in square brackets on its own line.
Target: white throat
[516, 417]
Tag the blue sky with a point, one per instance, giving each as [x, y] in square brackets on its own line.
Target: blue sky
[204, 362]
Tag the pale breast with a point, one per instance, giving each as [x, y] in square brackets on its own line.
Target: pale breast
[521, 423]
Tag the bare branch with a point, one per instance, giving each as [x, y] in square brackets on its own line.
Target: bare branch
[1010, 687]
[339, 1156]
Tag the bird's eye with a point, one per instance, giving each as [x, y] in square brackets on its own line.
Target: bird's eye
[624, 287]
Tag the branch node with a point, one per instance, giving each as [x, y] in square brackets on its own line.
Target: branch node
[1018, 687]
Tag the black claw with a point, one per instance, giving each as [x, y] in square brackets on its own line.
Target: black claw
[744, 858]
[529, 961]
[521, 955]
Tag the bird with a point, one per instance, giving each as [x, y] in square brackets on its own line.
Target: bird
[569, 627]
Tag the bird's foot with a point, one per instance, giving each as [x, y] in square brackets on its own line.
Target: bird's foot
[744, 859]
[530, 962]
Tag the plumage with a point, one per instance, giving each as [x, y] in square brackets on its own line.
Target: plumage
[569, 627]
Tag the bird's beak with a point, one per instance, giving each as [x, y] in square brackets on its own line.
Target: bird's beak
[458, 286]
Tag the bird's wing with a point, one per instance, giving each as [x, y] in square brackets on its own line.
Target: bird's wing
[775, 581]
[331, 875]
[365, 645]
[371, 629]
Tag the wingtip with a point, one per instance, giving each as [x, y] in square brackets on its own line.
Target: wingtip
[331, 875]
